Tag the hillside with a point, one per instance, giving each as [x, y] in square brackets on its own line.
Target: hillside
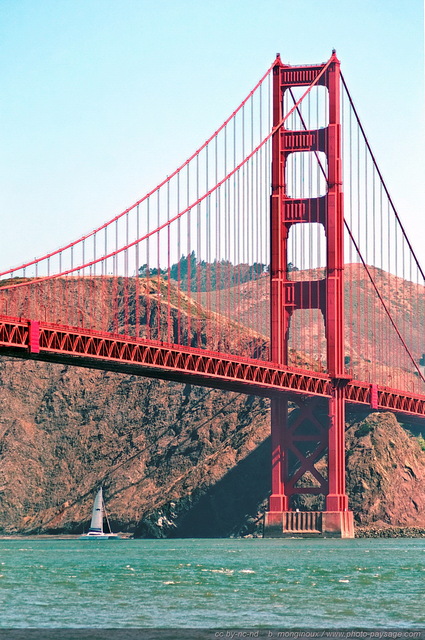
[386, 473]
[173, 459]
[151, 444]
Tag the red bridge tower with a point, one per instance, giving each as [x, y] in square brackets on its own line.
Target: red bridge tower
[311, 431]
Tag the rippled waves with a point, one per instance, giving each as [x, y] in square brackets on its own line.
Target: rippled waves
[209, 583]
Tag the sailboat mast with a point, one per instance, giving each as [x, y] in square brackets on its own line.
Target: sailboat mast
[106, 517]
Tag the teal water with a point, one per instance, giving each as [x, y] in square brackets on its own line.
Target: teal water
[249, 583]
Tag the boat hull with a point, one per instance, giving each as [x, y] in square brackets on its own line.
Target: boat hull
[103, 536]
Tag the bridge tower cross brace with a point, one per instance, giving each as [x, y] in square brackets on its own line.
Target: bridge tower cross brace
[324, 432]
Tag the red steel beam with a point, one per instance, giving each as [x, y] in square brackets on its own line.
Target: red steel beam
[82, 347]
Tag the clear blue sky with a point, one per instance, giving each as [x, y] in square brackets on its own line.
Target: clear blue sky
[101, 99]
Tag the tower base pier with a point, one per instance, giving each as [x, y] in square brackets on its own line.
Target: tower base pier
[309, 524]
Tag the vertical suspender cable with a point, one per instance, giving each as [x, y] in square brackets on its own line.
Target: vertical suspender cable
[207, 288]
[147, 283]
[189, 262]
[179, 262]
[136, 277]
[125, 279]
[169, 325]
[158, 267]
[198, 260]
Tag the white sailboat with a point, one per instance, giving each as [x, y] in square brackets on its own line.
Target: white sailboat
[96, 526]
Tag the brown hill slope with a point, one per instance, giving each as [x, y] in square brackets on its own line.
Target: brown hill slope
[386, 473]
[64, 431]
[373, 347]
[174, 460]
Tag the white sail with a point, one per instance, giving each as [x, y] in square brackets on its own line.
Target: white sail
[96, 524]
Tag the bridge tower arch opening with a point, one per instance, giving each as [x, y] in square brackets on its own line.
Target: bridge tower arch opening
[308, 431]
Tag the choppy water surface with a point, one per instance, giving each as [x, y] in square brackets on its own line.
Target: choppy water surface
[212, 583]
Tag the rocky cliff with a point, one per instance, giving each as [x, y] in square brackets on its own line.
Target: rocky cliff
[158, 448]
[174, 460]
[386, 473]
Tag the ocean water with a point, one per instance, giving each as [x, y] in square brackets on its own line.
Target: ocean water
[231, 583]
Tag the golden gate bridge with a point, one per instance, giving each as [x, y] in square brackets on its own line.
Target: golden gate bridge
[272, 262]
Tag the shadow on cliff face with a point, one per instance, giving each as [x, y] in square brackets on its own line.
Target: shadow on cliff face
[385, 483]
[229, 507]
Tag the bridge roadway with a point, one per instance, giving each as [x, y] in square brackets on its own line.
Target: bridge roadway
[34, 340]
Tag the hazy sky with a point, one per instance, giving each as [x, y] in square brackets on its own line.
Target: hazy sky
[101, 99]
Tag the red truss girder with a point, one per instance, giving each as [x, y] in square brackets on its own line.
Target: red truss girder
[168, 357]
[150, 354]
[13, 334]
[16, 335]
[307, 462]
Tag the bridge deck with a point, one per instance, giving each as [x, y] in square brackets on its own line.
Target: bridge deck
[27, 339]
